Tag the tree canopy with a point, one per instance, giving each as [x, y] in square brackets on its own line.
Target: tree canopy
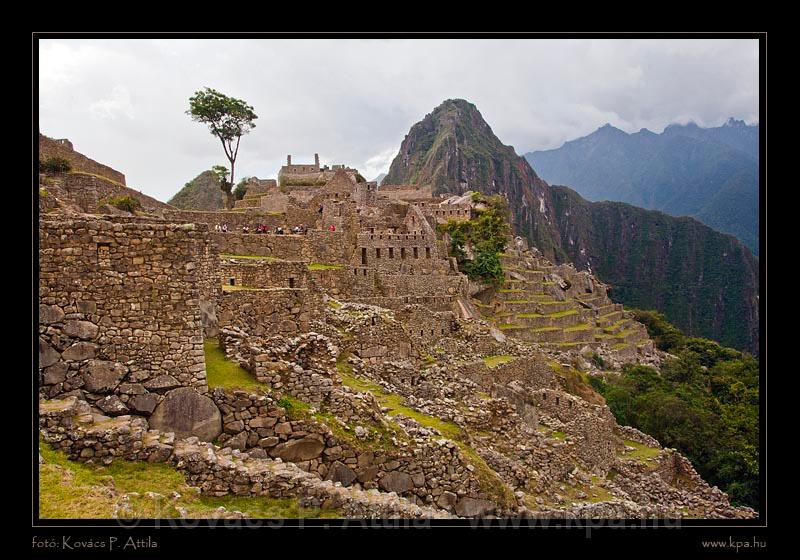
[228, 119]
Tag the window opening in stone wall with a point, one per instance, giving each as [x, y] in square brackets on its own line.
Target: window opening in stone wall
[291, 282]
[363, 255]
[402, 253]
[391, 252]
[427, 252]
[377, 253]
[416, 253]
[232, 281]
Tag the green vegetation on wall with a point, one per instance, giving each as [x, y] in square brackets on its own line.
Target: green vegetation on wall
[126, 203]
[486, 234]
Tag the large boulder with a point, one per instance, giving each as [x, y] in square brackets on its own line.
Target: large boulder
[298, 450]
[47, 354]
[339, 472]
[100, 376]
[85, 330]
[472, 507]
[163, 382]
[396, 481]
[79, 351]
[187, 413]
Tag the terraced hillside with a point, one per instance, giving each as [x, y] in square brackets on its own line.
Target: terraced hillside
[537, 304]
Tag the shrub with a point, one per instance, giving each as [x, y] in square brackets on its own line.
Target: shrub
[598, 360]
[126, 203]
[486, 233]
[55, 165]
[241, 189]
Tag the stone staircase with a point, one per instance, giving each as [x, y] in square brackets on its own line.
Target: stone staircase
[530, 306]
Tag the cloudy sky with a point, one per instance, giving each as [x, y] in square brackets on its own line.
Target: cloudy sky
[123, 102]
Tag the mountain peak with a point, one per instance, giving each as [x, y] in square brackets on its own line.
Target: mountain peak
[458, 103]
[732, 122]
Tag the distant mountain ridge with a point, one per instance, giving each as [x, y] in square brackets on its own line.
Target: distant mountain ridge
[707, 173]
[706, 282]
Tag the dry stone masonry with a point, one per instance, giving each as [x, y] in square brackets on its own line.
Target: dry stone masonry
[390, 385]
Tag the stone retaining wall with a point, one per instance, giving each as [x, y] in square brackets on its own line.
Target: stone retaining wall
[119, 316]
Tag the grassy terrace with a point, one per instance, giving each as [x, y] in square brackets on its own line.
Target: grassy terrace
[491, 483]
[555, 314]
[225, 373]
[641, 452]
[319, 266]
[581, 327]
[248, 257]
[494, 361]
[510, 291]
[73, 490]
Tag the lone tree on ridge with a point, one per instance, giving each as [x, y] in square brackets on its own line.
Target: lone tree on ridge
[228, 119]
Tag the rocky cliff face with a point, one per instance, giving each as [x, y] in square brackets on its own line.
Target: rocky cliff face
[705, 282]
[454, 150]
[201, 193]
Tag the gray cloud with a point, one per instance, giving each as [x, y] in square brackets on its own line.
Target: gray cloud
[123, 102]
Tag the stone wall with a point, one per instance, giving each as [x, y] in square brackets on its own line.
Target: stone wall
[262, 274]
[89, 193]
[444, 213]
[119, 316]
[68, 425]
[406, 253]
[48, 147]
[271, 311]
[405, 192]
[316, 246]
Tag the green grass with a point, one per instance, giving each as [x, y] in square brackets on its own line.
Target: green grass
[641, 452]
[493, 361]
[490, 481]
[103, 177]
[333, 304]
[619, 346]
[225, 373]
[295, 408]
[248, 257]
[555, 314]
[514, 301]
[510, 291]
[581, 327]
[507, 326]
[74, 490]
[320, 266]
[546, 329]
[558, 434]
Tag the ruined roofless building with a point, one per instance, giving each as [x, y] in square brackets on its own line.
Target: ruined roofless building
[310, 174]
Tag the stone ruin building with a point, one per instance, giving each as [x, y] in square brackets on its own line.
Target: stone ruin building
[417, 393]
